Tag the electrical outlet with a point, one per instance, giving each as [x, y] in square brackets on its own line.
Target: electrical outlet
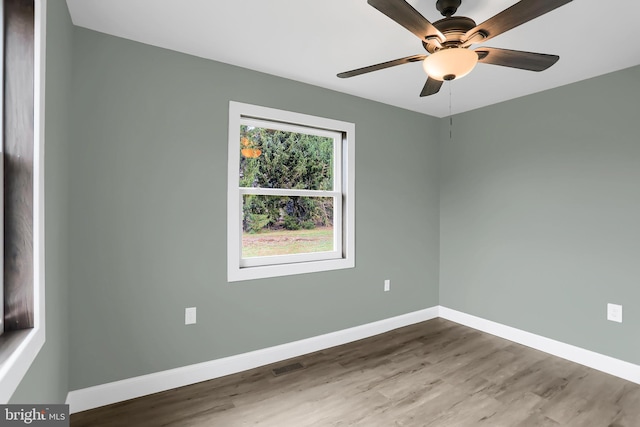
[387, 285]
[614, 313]
[189, 315]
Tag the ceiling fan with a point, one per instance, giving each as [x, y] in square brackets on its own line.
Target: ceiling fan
[447, 41]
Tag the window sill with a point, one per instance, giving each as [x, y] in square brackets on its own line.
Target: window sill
[18, 349]
[235, 274]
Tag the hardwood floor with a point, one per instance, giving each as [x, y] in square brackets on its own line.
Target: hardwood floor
[435, 373]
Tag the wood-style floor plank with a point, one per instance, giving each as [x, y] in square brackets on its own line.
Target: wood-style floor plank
[432, 374]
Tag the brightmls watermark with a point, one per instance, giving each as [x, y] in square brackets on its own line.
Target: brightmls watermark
[34, 415]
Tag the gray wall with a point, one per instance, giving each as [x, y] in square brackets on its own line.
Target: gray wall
[47, 379]
[148, 214]
[540, 203]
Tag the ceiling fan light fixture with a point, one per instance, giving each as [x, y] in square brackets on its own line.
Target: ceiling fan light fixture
[449, 64]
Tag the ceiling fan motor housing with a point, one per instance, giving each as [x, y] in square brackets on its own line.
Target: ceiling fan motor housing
[454, 29]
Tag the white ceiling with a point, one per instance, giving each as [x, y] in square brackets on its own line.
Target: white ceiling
[312, 41]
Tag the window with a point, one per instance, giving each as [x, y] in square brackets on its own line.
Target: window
[290, 193]
[23, 196]
[17, 164]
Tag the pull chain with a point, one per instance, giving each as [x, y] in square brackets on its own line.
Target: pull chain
[450, 116]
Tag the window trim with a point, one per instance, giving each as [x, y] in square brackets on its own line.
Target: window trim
[16, 357]
[238, 270]
[2, 19]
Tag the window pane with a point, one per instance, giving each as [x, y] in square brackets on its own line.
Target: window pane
[279, 159]
[286, 225]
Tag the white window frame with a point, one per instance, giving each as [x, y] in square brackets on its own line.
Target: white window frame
[17, 356]
[343, 255]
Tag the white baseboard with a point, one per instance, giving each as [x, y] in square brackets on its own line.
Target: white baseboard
[609, 365]
[105, 394]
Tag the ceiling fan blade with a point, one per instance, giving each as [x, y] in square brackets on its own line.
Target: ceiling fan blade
[516, 58]
[518, 14]
[432, 86]
[381, 66]
[404, 14]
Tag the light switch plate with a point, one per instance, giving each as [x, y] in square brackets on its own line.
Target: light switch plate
[614, 313]
[189, 315]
